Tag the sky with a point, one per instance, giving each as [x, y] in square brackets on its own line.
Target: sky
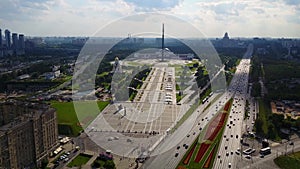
[240, 18]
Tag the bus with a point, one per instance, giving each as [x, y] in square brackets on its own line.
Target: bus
[265, 151]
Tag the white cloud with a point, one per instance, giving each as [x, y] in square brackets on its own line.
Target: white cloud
[212, 17]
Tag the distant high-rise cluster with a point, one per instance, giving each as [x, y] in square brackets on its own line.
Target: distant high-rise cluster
[11, 44]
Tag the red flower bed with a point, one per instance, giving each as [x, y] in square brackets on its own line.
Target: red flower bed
[203, 148]
[212, 126]
[214, 134]
[181, 167]
[226, 107]
[208, 160]
[222, 120]
[188, 157]
[215, 130]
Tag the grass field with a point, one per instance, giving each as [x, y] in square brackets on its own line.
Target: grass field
[263, 114]
[291, 161]
[67, 117]
[80, 160]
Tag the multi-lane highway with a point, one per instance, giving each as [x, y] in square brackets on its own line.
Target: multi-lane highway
[233, 130]
[168, 159]
[237, 88]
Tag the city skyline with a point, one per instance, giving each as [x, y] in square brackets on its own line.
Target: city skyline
[213, 18]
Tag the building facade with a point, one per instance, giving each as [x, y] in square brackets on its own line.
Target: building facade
[28, 136]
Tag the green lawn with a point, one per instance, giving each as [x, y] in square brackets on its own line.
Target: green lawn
[80, 160]
[291, 161]
[67, 117]
[264, 110]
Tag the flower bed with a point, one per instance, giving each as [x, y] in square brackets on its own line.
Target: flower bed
[209, 159]
[188, 157]
[227, 105]
[203, 148]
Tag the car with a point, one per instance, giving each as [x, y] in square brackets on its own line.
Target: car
[261, 156]
[227, 139]
[194, 133]
[200, 128]
[225, 147]
[219, 156]
[231, 152]
[55, 165]
[231, 135]
[186, 146]
[237, 152]
[188, 135]
[66, 159]
[178, 147]
[248, 156]
[229, 165]
[176, 154]
[227, 154]
[237, 136]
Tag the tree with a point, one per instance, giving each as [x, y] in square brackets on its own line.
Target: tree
[109, 164]
[271, 131]
[44, 163]
[258, 126]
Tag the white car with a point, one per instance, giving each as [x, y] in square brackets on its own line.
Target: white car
[66, 159]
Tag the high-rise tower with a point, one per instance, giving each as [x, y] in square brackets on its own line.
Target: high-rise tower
[0, 39]
[7, 39]
[15, 41]
[21, 44]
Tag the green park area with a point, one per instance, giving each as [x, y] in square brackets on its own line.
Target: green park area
[67, 117]
[291, 161]
[80, 160]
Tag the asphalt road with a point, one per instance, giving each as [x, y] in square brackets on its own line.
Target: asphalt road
[239, 84]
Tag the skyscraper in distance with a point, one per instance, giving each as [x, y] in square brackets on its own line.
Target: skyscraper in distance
[7, 39]
[0, 39]
[21, 44]
[15, 44]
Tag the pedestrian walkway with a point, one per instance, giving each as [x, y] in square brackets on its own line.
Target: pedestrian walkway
[90, 162]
